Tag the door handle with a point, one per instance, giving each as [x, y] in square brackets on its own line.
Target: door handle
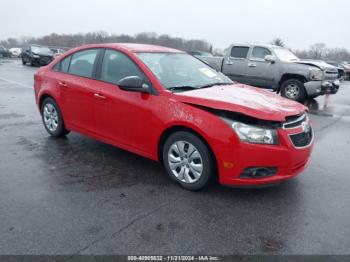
[62, 84]
[252, 65]
[99, 96]
[229, 62]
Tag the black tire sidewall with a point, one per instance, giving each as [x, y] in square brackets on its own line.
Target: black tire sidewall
[207, 158]
[302, 92]
[61, 130]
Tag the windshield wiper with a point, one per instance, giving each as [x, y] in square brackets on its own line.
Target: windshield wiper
[181, 88]
[215, 84]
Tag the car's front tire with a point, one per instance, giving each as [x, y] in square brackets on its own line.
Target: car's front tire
[294, 89]
[52, 118]
[188, 160]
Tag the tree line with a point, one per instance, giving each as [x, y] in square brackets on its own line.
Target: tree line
[317, 51]
[73, 40]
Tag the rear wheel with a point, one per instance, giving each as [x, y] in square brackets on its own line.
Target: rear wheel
[52, 118]
[293, 89]
[188, 160]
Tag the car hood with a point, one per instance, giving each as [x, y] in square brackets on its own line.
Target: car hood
[247, 100]
[320, 64]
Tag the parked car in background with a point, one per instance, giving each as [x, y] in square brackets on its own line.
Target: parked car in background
[4, 52]
[37, 55]
[199, 53]
[340, 68]
[195, 120]
[57, 51]
[276, 68]
[346, 66]
[15, 51]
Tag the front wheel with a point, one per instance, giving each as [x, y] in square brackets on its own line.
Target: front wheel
[23, 62]
[52, 118]
[188, 160]
[294, 89]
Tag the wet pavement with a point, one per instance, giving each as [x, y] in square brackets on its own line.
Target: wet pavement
[80, 196]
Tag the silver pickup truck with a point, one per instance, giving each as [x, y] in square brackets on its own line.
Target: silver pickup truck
[276, 68]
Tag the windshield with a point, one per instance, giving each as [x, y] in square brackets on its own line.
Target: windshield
[40, 49]
[285, 55]
[182, 70]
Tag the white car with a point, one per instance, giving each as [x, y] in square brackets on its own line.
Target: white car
[16, 52]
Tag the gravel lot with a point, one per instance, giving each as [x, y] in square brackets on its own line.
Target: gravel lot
[80, 196]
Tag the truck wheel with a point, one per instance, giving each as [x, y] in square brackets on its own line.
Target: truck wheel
[293, 89]
[188, 160]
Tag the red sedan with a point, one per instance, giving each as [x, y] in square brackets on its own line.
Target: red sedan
[169, 106]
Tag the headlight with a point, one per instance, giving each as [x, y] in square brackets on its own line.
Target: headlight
[254, 134]
[316, 74]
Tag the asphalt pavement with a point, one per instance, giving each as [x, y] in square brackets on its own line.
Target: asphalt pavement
[80, 196]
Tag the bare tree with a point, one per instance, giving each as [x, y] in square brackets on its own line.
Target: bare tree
[318, 50]
[278, 41]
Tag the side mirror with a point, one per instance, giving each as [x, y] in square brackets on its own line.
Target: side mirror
[134, 84]
[270, 58]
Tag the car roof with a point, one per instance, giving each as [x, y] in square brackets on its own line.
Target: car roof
[134, 48]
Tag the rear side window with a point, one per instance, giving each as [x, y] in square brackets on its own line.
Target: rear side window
[63, 66]
[116, 66]
[239, 52]
[260, 52]
[82, 63]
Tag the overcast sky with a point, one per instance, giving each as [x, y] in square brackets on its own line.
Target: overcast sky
[299, 23]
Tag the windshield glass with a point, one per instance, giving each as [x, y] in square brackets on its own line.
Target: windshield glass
[285, 55]
[40, 49]
[182, 70]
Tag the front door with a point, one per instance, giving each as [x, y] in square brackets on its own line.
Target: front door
[122, 116]
[259, 71]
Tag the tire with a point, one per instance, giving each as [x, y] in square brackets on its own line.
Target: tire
[52, 118]
[32, 62]
[23, 62]
[193, 169]
[294, 89]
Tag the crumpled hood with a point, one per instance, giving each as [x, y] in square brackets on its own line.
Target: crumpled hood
[320, 64]
[243, 99]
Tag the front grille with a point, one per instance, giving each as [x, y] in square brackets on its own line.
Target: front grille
[44, 60]
[302, 139]
[294, 121]
[331, 75]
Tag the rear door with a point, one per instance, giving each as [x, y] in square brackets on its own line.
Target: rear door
[235, 65]
[78, 89]
[259, 71]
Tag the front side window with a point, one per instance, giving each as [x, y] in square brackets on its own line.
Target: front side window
[82, 63]
[260, 52]
[239, 52]
[116, 66]
[181, 70]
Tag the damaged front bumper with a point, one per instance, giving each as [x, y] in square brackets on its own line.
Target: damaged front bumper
[315, 88]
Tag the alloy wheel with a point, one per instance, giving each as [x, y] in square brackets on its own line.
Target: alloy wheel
[50, 117]
[185, 162]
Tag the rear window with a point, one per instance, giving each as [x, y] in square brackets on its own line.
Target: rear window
[239, 52]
